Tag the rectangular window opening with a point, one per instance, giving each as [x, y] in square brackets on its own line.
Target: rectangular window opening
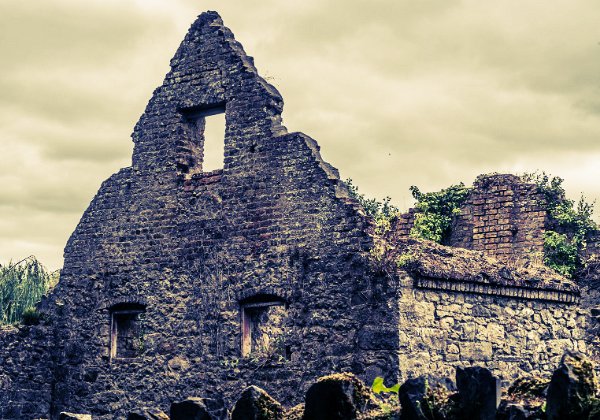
[263, 330]
[126, 334]
[214, 141]
[204, 150]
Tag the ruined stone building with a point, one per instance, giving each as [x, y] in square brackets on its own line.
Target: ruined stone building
[180, 282]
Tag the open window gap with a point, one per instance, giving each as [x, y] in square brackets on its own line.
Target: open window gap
[126, 333]
[263, 330]
[206, 136]
[214, 142]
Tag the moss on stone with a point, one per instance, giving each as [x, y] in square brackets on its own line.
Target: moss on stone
[256, 404]
[361, 394]
[594, 409]
[294, 413]
[584, 370]
[573, 388]
[268, 408]
[528, 387]
[529, 393]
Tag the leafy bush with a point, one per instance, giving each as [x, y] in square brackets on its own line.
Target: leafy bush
[22, 285]
[434, 211]
[381, 211]
[561, 253]
[564, 214]
[569, 224]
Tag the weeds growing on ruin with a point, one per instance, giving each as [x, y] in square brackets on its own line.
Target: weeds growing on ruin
[22, 285]
[381, 211]
[378, 386]
[568, 226]
[434, 211]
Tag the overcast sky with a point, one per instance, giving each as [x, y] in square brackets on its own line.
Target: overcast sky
[396, 92]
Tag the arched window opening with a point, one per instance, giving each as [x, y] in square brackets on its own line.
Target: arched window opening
[126, 332]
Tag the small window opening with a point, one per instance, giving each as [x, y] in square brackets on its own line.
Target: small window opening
[207, 136]
[127, 338]
[263, 327]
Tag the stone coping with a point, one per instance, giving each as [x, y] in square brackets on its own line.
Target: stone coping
[513, 292]
[428, 259]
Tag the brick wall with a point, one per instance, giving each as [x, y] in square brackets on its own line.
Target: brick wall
[503, 217]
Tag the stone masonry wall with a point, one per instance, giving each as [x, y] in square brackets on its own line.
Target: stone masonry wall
[441, 329]
[593, 244]
[26, 371]
[190, 247]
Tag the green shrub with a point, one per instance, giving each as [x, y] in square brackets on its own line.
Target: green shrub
[560, 253]
[568, 227]
[22, 285]
[31, 316]
[381, 211]
[434, 211]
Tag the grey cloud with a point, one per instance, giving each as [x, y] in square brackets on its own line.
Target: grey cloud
[47, 32]
[52, 189]
[396, 92]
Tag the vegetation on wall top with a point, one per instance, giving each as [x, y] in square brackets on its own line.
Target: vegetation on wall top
[378, 210]
[434, 211]
[569, 224]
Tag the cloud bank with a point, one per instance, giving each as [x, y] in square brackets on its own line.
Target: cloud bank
[397, 93]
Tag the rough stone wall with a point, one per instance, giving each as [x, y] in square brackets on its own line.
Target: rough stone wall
[593, 244]
[190, 246]
[440, 329]
[26, 372]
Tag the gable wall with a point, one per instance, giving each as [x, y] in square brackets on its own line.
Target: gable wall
[275, 220]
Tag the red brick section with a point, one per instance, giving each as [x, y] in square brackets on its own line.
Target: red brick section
[503, 217]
